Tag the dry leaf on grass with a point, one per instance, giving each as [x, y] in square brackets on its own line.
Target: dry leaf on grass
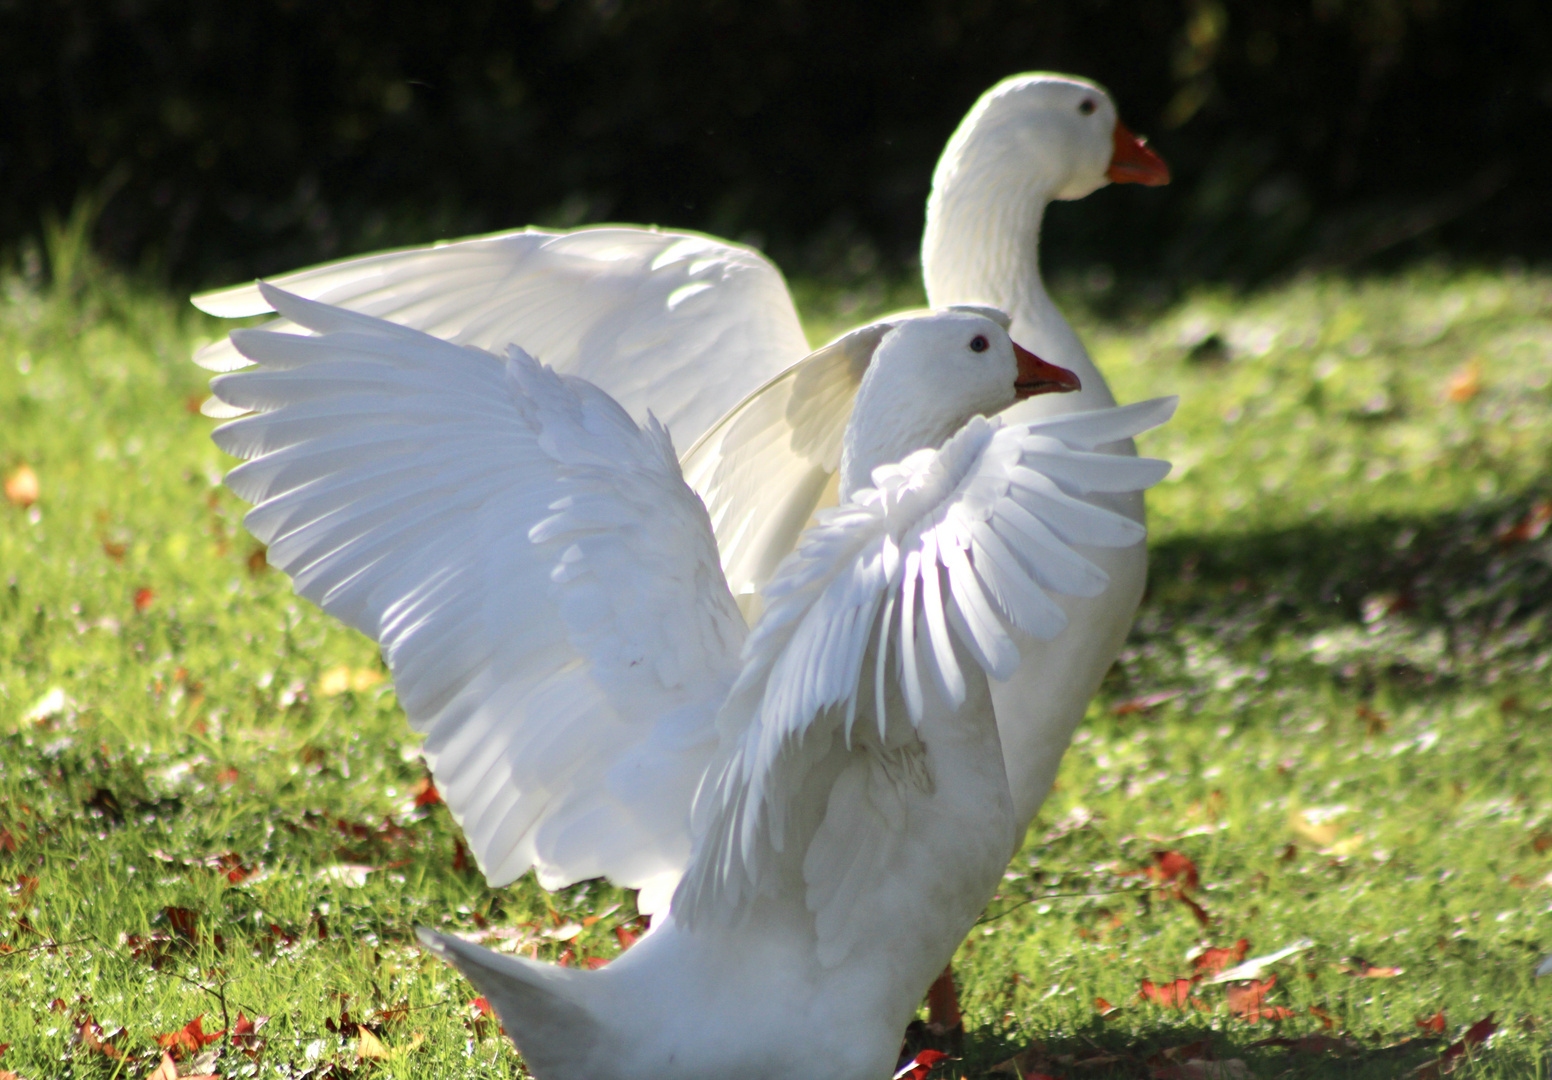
[21, 486]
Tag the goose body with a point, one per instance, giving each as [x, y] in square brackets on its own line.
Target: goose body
[687, 326]
[818, 800]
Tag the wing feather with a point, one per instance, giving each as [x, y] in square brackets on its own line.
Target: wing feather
[544, 586]
[952, 550]
[680, 323]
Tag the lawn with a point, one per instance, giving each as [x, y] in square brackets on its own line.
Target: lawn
[1329, 732]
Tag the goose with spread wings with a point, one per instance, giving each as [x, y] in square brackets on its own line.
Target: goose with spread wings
[819, 799]
[689, 326]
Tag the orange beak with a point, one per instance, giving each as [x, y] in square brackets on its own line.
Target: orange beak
[1035, 376]
[1133, 163]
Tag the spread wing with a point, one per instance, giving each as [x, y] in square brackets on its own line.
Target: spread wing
[881, 600]
[544, 586]
[683, 324]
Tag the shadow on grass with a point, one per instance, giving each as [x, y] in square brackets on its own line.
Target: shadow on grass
[1182, 1050]
[1477, 584]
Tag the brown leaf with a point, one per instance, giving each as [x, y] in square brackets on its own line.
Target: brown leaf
[1213, 960]
[21, 486]
[1104, 1008]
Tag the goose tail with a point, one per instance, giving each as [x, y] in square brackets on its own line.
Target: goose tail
[540, 1005]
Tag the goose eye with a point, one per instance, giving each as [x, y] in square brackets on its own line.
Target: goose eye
[979, 343]
[1087, 107]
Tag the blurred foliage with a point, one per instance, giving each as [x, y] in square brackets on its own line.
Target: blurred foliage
[226, 140]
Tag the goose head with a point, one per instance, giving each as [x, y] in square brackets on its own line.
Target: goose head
[1030, 139]
[928, 375]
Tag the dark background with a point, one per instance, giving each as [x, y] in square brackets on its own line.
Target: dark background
[225, 139]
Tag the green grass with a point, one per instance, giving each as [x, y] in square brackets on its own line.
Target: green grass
[1357, 751]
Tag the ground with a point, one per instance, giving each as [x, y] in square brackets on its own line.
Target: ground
[1328, 733]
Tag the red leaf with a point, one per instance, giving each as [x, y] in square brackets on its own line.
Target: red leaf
[1171, 995]
[227, 775]
[625, 936]
[920, 1065]
[184, 922]
[1434, 1024]
[483, 1005]
[143, 598]
[1323, 1016]
[426, 793]
[191, 1037]
[1105, 1008]
[1174, 866]
[1211, 961]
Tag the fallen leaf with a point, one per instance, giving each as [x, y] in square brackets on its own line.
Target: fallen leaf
[245, 1035]
[625, 936]
[1434, 1024]
[1144, 704]
[1170, 995]
[426, 793]
[1104, 1008]
[1317, 826]
[370, 1047]
[167, 1070]
[1210, 961]
[1531, 527]
[191, 1037]
[920, 1065]
[258, 561]
[1465, 382]
[1174, 866]
[1365, 970]
[144, 597]
[1475, 1035]
[1255, 967]
[21, 486]
[1245, 998]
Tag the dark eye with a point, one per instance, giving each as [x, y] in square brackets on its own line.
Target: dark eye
[1087, 107]
[979, 343]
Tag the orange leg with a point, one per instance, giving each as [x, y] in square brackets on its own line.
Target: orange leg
[943, 1003]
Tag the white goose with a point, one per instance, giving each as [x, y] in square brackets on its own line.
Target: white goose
[546, 590]
[688, 325]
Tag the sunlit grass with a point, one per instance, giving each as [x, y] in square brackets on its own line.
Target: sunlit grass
[1349, 606]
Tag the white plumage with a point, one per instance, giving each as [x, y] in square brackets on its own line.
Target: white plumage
[546, 590]
[688, 326]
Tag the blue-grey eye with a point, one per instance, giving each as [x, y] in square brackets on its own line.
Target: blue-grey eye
[1088, 107]
[979, 343]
